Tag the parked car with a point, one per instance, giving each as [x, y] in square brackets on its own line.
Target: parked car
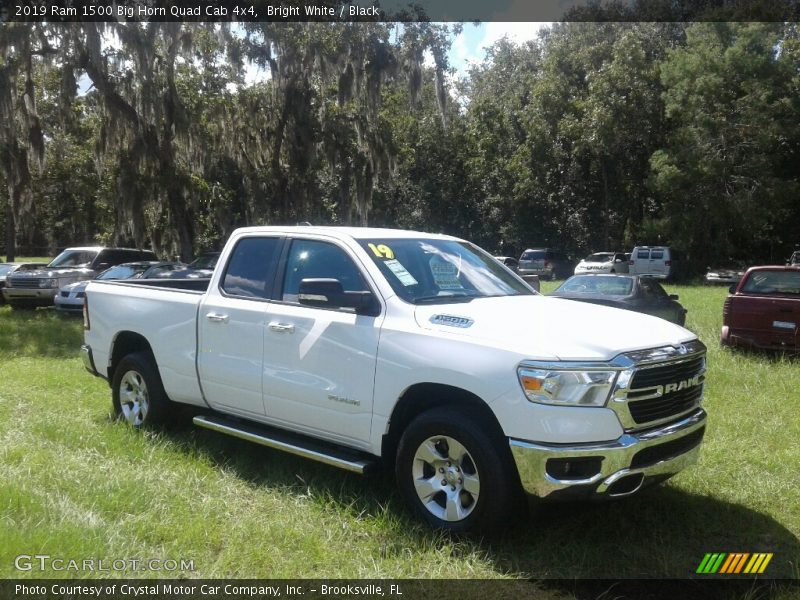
[727, 275]
[545, 263]
[358, 346]
[656, 261]
[604, 262]
[71, 296]
[39, 287]
[763, 310]
[630, 292]
[513, 264]
[509, 261]
[201, 267]
[7, 269]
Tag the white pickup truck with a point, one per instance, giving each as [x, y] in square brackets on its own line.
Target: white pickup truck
[357, 346]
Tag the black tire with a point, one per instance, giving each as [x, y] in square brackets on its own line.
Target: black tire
[454, 502]
[137, 394]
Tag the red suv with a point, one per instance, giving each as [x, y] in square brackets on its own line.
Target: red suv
[764, 310]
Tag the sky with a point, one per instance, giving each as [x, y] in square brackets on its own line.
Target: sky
[470, 46]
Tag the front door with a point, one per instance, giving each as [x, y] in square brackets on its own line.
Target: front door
[319, 364]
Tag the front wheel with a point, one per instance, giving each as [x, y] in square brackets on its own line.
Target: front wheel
[453, 474]
[138, 395]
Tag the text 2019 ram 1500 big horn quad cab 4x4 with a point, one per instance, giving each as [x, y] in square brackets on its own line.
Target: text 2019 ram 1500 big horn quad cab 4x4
[353, 346]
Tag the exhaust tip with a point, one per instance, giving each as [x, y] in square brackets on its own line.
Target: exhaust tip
[625, 486]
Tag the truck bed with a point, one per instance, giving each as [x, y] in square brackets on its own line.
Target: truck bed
[163, 312]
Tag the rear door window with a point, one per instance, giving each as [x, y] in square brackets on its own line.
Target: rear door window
[657, 254]
[250, 272]
[641, 254]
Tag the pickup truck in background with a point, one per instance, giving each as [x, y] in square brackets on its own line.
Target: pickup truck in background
[763, 310]
[357, 346]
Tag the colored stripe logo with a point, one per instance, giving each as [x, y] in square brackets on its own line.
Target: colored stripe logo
[734, 563]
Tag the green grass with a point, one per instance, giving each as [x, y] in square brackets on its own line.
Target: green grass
[40, 259]
[75, 484]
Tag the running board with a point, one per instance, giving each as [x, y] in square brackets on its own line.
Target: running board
[349, 460]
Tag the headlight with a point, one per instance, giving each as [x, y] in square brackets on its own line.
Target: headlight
[565, 387]
[48, 283]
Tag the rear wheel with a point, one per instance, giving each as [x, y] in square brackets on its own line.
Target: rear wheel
[138, 395]
[453, 474]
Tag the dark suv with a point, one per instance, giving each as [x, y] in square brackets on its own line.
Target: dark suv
[546, 263]
[38, 288]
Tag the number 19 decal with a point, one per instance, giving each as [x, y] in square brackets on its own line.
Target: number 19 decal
[381, 251]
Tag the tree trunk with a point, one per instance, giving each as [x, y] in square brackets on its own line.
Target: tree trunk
[11, 247]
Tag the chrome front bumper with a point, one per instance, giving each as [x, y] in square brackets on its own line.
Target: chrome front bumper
[609, 469]
[30, 296]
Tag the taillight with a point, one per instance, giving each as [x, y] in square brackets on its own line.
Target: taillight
[668, 263]
[630, 262]
[86, 325]
[548, 265]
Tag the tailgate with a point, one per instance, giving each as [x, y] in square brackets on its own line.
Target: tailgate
[768, 320]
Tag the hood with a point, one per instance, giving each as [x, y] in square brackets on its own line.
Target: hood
[54, 272]
[539, 327]
[78, 286]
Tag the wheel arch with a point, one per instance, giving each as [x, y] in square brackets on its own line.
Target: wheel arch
[123, 344]
[421, 397]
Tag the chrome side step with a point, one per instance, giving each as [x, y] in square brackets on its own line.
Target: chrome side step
[349, 460]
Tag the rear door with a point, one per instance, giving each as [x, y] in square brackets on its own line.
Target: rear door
[230, 327]
[319, 363]
[658, 262]
[641, 261]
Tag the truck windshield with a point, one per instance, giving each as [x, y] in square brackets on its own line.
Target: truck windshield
[74, 258]
[425, 271]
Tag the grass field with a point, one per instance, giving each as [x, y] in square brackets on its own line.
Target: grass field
[75, 484]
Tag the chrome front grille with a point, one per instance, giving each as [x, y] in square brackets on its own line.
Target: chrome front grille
[660, 386]
[24, 282]
[655, 409]
[659, 375]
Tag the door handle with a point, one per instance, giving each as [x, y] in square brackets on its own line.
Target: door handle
[218, 318]
[281, 327]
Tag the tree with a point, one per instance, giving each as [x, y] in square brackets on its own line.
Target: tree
[724, 175]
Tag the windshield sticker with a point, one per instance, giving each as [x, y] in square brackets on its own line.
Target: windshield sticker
[402, 274]
[445, 274]
[382, 251]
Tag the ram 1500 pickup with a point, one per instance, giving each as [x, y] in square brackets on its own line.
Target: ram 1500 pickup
[355, 346]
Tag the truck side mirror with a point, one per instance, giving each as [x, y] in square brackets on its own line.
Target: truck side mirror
[328, 293]
[732, 289]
